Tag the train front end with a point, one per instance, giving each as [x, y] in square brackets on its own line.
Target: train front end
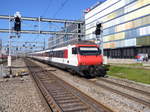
[90, 61]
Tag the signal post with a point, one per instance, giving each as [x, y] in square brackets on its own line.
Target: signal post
[17, 28]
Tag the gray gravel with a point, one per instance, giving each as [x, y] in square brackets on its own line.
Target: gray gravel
[20, 94]
[124, 90]
[112, 100]
[137, 85]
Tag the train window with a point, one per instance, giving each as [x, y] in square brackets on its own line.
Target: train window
[47, 54]
[99, 51]
[74, 50]
[51, 54]
[87, 50]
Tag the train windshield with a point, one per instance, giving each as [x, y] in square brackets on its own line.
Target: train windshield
[89, 50]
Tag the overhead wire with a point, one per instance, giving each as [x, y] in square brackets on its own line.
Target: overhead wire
[46, 10]
[61, 7]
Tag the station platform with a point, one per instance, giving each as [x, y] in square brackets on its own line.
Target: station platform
[132, 63]
[126, 61]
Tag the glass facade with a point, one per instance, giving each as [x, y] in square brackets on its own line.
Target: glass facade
[126, 23]
[128, 17]
[63, 40]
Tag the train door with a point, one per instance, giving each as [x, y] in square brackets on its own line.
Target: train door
[72, 56]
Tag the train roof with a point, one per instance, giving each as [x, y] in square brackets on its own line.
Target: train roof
[84, 43]
[74, 43]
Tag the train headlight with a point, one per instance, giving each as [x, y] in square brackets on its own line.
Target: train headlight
[83, 63]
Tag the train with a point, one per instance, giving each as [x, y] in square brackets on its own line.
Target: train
[82, 58]
[3, 58]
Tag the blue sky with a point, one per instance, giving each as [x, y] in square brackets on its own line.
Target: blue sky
[59, 9]
[72, 9]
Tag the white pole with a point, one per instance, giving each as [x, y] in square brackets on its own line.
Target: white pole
[102, 47]
[39, 24]
[1, 60]
[40, 31]
[101, 37]
[9, 55]
[44, 43]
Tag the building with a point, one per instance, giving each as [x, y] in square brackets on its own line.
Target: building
[125, 24]
[62, 40]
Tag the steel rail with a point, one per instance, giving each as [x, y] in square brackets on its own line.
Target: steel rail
[126, 87]
[44, 101]
[141, 101]
[61, 96]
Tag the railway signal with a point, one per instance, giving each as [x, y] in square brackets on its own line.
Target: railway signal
[99, 36]
[98, 29]
[17, 22]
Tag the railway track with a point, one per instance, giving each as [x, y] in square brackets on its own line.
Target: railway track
[125, 87]
[60, 96]
[125, 94]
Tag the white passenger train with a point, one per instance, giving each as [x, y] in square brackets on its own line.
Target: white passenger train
[82, 58]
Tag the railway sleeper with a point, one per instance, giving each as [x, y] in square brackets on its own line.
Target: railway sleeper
[76, 109]
[65, 98]
[68, 101]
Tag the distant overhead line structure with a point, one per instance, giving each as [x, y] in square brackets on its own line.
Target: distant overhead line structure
[43, 19]
[41, 32]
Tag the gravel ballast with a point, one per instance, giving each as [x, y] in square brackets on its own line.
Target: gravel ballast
[20, 94]
[112, 100]
[137, 85]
